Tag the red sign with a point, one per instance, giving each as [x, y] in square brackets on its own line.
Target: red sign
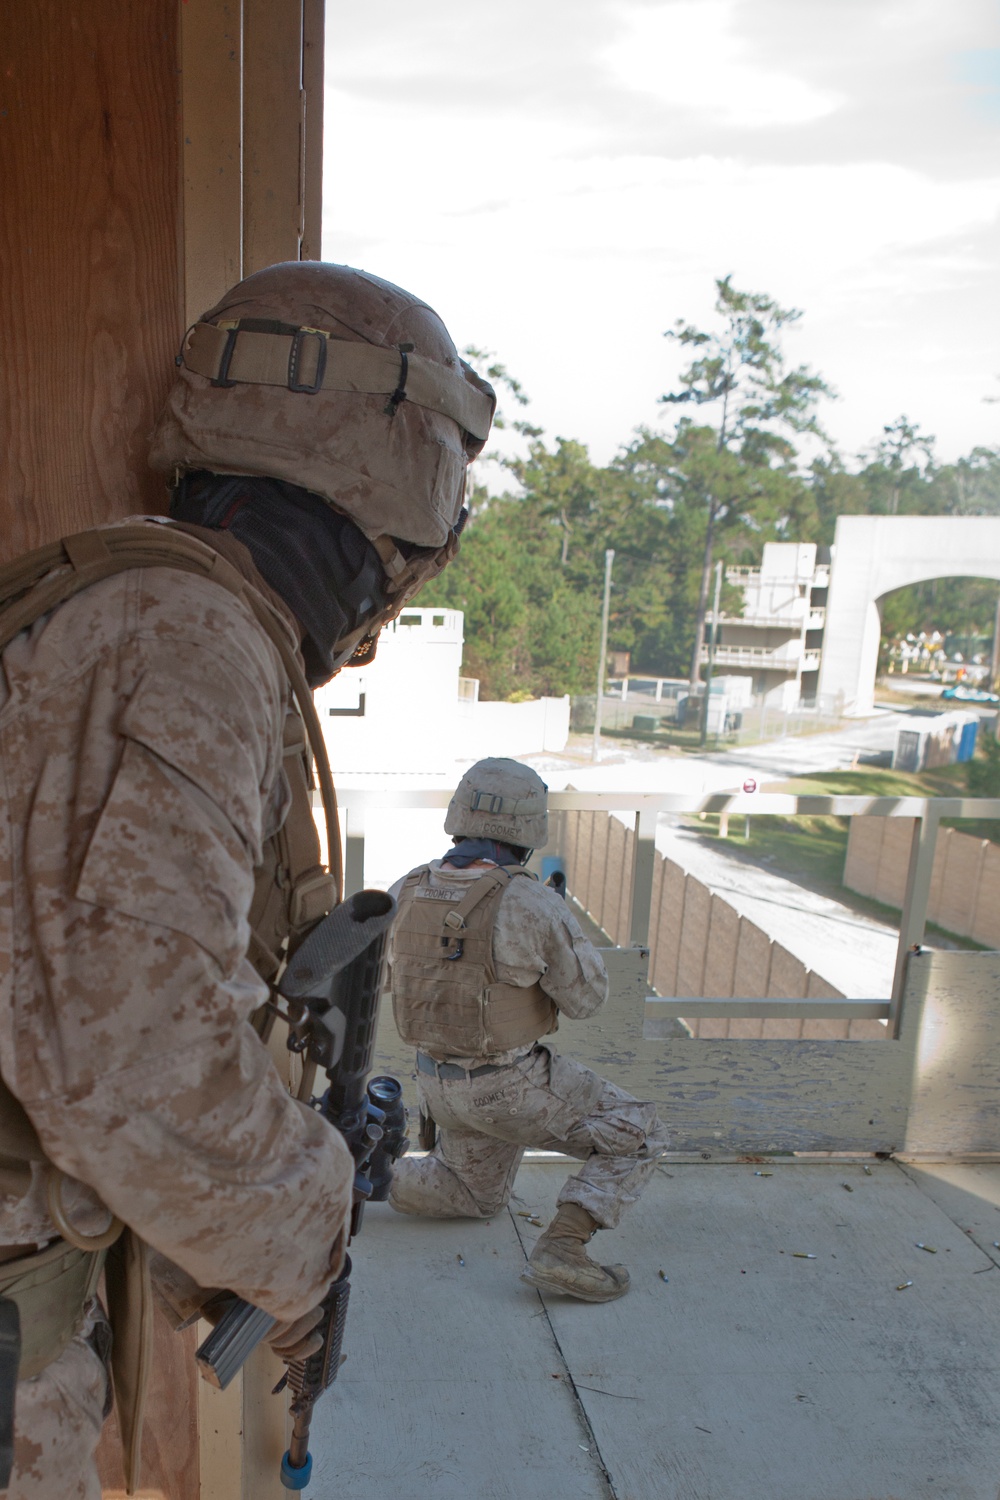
[749, 785]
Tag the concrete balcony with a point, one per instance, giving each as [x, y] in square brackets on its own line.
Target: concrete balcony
[754, 656]
[784, 1338]
[790, 620]
[812, 1313]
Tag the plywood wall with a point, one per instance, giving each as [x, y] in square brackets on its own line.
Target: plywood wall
[152, 152]
[150, 156]
[89, 285]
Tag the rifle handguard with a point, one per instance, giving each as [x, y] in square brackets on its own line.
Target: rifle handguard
[334, 975]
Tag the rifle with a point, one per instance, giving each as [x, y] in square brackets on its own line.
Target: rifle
[331, 993]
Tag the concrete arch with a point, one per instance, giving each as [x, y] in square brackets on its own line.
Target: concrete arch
[873, 555]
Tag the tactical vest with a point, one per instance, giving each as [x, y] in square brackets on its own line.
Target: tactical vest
[292, 890]
[446, 996]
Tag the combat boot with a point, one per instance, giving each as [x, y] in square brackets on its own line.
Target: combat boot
[559, 1262]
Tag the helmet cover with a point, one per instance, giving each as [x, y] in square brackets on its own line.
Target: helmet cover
[500, 799]
[338, 382]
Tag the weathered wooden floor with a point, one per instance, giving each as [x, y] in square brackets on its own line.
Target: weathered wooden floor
[752, 1373]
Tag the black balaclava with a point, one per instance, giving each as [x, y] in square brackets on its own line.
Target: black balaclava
[324, 568]
[467, 851]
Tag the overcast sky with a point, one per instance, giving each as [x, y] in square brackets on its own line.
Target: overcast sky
[563, 179]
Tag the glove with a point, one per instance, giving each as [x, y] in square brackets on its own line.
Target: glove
[295, 1341]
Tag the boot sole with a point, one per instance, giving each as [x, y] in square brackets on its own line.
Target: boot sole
[537, 1278]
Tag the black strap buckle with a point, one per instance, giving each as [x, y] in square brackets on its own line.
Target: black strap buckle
[295, 361]
[486, 802]
[222, 378]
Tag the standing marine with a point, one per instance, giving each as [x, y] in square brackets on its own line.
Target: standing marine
[158, 856]
[485, 961]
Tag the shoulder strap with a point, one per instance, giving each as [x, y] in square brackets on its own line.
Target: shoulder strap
[33, 585]
[486, 885]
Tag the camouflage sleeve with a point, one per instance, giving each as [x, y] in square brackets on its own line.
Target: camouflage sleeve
[136, 1060]
[538, 938]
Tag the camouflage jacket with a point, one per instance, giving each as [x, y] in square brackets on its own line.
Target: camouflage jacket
[140, 774]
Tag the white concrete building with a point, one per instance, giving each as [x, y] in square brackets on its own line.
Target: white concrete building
[874, 556]
[412, 713]
[777, 639]
[410, 721]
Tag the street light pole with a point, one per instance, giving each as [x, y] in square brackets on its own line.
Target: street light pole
[609, 558]
[711, 652]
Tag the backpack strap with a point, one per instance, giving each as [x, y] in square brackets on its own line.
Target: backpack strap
[36, 583]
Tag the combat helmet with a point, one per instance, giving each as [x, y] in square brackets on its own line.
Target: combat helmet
[345, 385]
[503, 800]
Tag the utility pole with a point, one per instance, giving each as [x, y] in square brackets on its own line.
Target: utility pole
[609, 558]
[711, 652]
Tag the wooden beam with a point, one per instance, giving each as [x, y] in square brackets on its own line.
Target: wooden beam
[272, 132]
[211, 64]
[88, 261]
[313, 96]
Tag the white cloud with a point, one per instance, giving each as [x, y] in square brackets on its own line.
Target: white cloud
[567, 238]
[689, 56]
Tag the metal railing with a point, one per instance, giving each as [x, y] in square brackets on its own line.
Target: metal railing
[648, 807]
[779, 659]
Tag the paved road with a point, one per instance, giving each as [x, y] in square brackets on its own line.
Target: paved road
[851, 951]
[634, 766]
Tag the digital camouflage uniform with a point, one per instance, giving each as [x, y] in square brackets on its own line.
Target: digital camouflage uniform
[142, 733]
[532, 1096]
[141, 748]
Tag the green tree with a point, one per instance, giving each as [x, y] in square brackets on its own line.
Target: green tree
[971, 487]
[569, 492]
[740, 372]
[983, 774]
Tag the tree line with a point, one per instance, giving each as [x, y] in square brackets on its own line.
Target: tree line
[745, 461]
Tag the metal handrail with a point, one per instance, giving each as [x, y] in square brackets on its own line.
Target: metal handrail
[647, 807]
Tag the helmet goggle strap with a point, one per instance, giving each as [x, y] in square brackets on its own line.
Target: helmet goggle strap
[308, 361]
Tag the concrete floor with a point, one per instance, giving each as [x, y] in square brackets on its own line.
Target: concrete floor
[778, 1361]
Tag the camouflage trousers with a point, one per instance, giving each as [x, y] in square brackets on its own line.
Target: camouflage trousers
[58, 1416]
[542, 1100]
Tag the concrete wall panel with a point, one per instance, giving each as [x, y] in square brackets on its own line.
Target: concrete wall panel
[694, 938]
[614, 879]
[986, 911]
[894, 860]
[671, 919]
[753, 961]
[625, 903]
[963, 865]
[817, 988]
[599, 835]
[654, 913]
[864, 846]
[720, 958]
[965, 881]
